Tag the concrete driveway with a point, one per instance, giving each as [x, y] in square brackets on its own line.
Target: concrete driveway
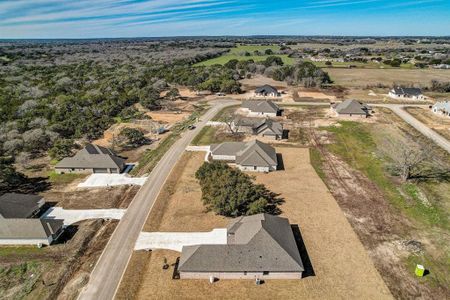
[176, 240]
[206, 149]
[71, 216]
[106, 275]
[105, 180]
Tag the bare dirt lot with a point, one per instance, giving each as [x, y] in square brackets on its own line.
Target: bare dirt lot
[438, 123]
[363, 77]
[341, 266]
[95, 198]
[167, 117]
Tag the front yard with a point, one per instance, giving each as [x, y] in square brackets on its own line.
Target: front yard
[340, 266]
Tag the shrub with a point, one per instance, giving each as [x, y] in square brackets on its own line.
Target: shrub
[230, 192]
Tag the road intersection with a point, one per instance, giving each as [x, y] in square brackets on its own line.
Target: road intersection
[106, 276]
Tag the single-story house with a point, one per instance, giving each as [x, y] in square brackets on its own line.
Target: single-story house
[260, 108]
[248, 156]
[352, 108]
[267, 91]
[258, 126]
[13, 205]
[442, 108]
[18, 231]
[92, 159]
[258, 247]
[406, 93]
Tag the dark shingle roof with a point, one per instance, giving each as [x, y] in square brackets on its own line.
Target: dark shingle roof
[407, 91]
[92, 156]
[14, 205]
[266, 89]
[255, 244]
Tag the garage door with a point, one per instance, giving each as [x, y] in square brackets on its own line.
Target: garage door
[100, 170]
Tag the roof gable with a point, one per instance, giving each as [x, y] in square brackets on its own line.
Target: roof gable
[352, 107]
[29, 228]
[261, 106]
[266, 89]
[262, 243]
[13, 205]
[92, 156]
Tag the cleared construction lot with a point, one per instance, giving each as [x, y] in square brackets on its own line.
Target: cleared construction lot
[341, 267]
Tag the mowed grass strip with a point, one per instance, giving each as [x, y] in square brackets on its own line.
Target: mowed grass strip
[355, 145]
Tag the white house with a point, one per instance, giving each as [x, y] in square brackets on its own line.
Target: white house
[406, 93]
[441, 108]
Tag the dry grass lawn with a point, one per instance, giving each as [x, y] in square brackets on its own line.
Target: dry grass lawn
[440, 124]
[363, 77]
[342, 267]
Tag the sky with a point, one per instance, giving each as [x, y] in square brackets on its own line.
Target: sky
[157, 18]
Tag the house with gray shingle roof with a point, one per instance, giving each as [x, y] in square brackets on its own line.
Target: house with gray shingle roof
[253, 156]
[92, 159]
[352, 108]
[257, 108]
[258, 126]
[13, 205]
[406, 93]
[29, 231]
[267, 91]
[258, 247]
[441, 108]
[19, 224]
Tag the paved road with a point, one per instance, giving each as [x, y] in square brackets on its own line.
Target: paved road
[106, 276]
[419, 126]
[107, 273]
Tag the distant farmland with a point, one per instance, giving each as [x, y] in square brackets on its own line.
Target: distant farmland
[359, 77]
[237, 53]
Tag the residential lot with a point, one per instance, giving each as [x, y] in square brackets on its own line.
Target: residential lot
[438, 123]
[401, 224]
[63, 268]
[340, 266]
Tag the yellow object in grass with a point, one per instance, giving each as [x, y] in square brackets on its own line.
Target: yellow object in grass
[420, 270]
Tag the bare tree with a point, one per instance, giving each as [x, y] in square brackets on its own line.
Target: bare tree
[409, 160]
[228, 119]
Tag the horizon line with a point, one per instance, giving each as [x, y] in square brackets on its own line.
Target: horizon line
[233, 36]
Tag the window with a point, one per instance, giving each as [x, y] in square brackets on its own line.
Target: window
[265, 272]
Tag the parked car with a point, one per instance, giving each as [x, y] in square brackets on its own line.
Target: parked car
[191, 127]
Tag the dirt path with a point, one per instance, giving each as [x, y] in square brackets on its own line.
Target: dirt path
[387, 235]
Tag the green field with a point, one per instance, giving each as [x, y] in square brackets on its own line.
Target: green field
[236, 53]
